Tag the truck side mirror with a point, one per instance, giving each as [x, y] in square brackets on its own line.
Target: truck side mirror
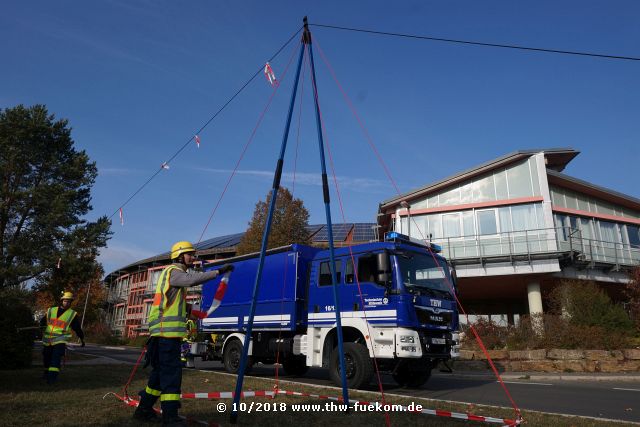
[384, 268]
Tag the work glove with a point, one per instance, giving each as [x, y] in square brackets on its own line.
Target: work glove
[82, 341]
[226, 268]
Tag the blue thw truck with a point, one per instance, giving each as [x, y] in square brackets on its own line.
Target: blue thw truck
[406, 316]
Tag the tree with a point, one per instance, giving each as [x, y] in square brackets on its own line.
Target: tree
[290, 221]
[45, 191]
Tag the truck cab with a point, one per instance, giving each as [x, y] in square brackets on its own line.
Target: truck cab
[396, 298]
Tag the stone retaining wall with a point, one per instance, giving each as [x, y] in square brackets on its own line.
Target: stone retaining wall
[554, 360]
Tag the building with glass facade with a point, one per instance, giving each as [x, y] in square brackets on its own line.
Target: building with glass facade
[515, 226]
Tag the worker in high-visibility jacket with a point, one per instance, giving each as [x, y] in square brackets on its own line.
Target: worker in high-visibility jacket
[167, 327]
[58, 323]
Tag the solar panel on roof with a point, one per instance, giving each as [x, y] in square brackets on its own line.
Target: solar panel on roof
[222, 241]
[313, 229]
[340, 232]
[364, 232]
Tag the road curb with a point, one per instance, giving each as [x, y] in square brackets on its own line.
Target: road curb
[537, 376]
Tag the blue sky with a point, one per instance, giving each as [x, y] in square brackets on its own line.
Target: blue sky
[136, 79]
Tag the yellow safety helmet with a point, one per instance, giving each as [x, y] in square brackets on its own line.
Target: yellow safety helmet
[67, 295]
[180, 248]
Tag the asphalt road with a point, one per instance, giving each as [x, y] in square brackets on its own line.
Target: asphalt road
[617, 400]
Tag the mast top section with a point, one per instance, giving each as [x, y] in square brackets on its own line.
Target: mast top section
[306, 34]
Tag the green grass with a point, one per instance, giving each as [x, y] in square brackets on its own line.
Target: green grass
[77, 400]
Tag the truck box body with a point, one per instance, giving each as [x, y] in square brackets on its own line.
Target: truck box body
[281, 295]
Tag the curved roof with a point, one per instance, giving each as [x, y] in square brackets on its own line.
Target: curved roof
[352, 232]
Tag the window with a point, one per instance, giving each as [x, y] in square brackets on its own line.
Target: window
[519, 181]
[557, 198]
[585, 228]
[451, 197]
[434, 227]
[367, 269]
[466, 193]
[348, 274]
[325, 273]
[571, 199]
[533, 167]
[505, 219]
[561, 226]
[523, 217]
[487, 222]
[634, 235]
[451, 225]
[484, 190]
[501, 185]
[609, 232]
[467, 224]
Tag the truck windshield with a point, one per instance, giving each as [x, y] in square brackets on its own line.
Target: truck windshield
[421, 273]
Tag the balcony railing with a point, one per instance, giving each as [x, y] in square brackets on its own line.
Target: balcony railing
[538, 244]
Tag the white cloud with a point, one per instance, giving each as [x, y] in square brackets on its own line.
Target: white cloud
[117, 255]
[357, 184]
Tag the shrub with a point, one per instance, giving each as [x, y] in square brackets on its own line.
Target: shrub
[17, 346]
[545, 332]
[494, 336]
[585, 304]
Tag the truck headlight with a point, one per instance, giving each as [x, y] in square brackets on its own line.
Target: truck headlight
[407, 338]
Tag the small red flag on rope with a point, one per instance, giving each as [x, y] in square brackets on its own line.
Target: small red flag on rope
[121, 217]
[271, 77]
[165, 166]
[197, 138]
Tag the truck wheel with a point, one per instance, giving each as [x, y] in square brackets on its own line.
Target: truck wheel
[413, 374]
[358, 365]
[231, 357]
[296, 366]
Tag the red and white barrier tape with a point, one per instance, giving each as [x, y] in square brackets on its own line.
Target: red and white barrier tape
[217, 298]
[227, 394]
[267, 393]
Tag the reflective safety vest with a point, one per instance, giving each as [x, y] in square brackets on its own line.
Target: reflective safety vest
[168, 316]
[58, 329]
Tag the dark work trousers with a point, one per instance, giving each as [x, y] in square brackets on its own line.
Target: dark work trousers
[52, 360]
[166, 377]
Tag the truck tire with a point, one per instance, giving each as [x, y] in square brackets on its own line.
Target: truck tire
[413, 374]
[358, 365]
[296, 366]
[231, 357]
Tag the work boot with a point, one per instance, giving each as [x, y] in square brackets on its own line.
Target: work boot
[147, 415]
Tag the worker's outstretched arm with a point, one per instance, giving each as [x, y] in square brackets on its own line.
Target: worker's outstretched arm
[182, 279]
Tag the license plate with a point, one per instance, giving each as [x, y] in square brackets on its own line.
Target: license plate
[438, 341]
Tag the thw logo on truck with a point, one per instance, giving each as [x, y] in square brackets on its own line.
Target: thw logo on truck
[436, 303]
